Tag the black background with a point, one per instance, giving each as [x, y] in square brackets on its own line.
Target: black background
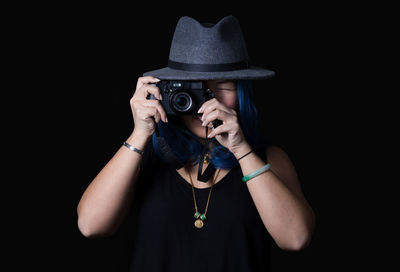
[81, 64]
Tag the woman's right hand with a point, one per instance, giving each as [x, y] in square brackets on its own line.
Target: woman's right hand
[146, 112]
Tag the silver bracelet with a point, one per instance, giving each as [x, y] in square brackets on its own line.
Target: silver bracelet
[141, 152]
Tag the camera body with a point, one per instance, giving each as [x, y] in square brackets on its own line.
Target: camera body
[180, 97]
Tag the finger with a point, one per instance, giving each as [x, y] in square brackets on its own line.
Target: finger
[217, 105]
[157, 116]
[225, 128]
[140, 108]
[145, 80]
[216, 114]
[147, 113]
[205, 104]
[147, 89]
[156, 104]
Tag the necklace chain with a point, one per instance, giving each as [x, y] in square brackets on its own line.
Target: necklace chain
[209, 194]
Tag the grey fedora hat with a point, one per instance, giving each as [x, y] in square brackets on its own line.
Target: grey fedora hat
[209, 51]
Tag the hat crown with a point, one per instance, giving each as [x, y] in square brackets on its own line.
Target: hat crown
[197, 43]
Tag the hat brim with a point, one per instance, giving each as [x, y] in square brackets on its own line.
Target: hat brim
[251, 73]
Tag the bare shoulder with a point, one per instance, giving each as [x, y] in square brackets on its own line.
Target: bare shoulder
[277, 153]
[283, 167]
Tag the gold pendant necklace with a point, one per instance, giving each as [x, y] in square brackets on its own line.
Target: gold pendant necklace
[206, 159]
[201, 217]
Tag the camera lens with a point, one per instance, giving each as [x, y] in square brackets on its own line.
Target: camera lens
[182, 102]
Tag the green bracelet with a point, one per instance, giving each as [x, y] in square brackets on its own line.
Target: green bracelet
[256, 172]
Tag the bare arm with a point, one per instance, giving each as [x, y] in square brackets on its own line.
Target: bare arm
[279, 199]
[276, 193]
[108, 197]
[106, 200]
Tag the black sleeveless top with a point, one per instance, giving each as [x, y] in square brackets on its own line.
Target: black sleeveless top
[233, 237]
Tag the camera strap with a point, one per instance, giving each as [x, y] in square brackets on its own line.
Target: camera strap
[207, 173]
[173, 161]
[167, 151]
[204, 177]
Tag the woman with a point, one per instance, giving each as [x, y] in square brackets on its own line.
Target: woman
[230, 194]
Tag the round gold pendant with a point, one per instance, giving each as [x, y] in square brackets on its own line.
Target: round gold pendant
[198, 223]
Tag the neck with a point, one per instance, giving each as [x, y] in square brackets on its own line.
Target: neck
[203, 141]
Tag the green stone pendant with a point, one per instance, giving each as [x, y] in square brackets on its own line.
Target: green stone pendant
[200, 218]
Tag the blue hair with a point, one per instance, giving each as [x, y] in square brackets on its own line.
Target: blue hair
[187, 147]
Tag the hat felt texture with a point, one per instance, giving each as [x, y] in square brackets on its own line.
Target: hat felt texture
[202, 51]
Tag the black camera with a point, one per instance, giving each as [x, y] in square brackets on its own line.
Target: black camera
[182, 96]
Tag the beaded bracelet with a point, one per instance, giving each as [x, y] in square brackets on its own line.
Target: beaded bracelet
[256, 172]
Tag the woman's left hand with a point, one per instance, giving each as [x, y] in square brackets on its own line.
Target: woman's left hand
[229, 133]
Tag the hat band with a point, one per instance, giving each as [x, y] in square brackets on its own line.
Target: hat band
[222, 67]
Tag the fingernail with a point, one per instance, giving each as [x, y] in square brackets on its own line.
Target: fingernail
[199, 111]
[166, 119]
[157, 80]
[203, 124]
[202, 117]
[160, 97]
[209, 135]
